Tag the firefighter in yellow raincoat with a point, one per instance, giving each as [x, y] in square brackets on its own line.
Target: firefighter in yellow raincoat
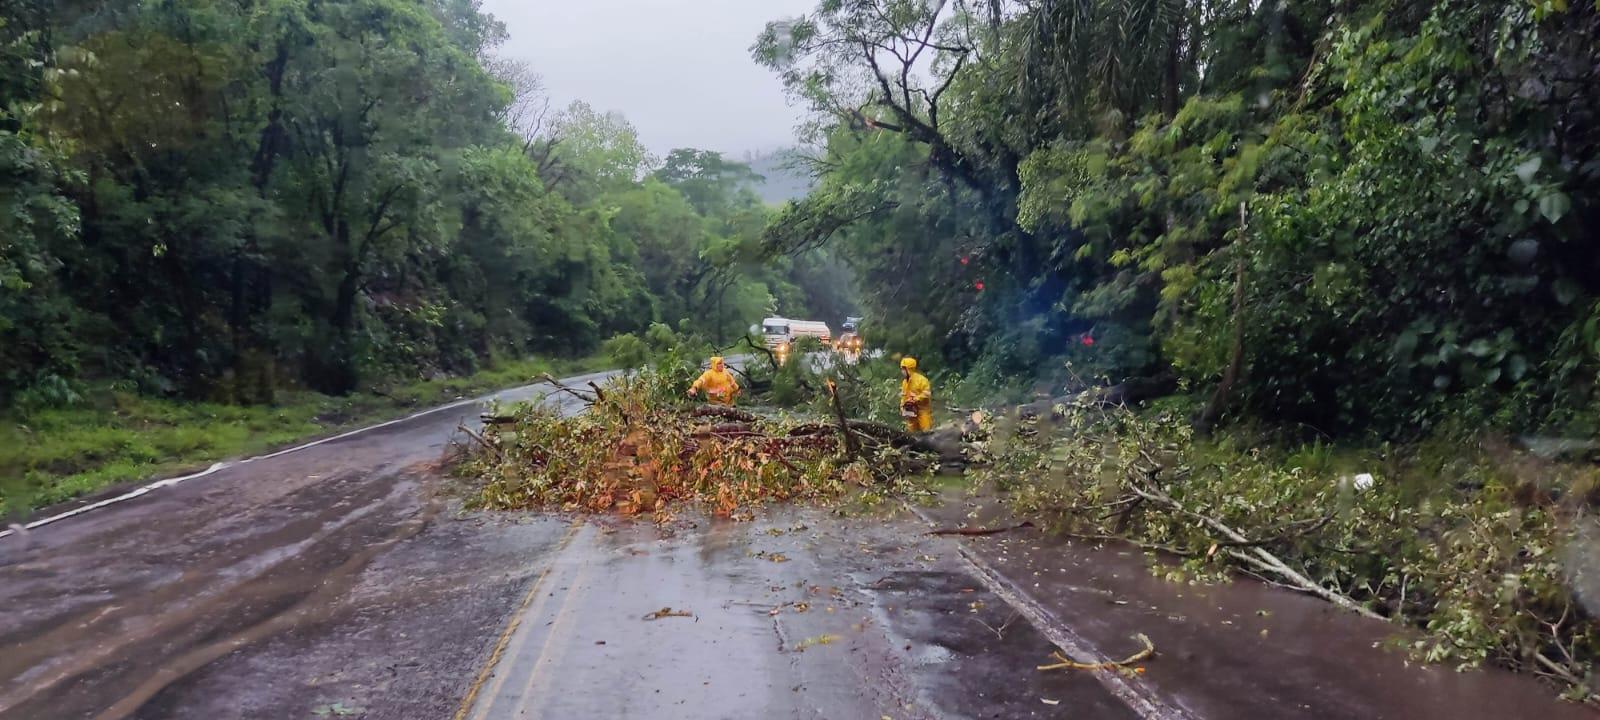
[718, 384]
[916, 397]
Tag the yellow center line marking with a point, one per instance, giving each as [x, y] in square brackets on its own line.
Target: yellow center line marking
[536, 675]
[512, 624]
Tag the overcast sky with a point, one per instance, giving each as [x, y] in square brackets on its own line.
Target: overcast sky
[680, 70]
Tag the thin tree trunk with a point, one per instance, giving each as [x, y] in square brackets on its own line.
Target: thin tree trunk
[852, 447]
[341, 363]
[1171, 78]
[1219, 399]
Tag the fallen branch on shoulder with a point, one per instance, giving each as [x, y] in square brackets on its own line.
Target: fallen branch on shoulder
[1065, 663]
[562, 387]
[481, 440]
[1251, 553]
[724, 412]
[979, 532]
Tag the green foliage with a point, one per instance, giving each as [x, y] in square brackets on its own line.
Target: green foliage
[1402, 190]
[1406, 184]
[626, 351]
[793, 383]
[1477, 562]
[870, 390]
[597, 153]
[37, 345]
[671, 357]
[677, 363]
[1391, 204]
[216, 201]
[710, 183]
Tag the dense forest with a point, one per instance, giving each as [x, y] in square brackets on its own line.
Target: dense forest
[215, 200]
[1339, 217]
[1343, 253]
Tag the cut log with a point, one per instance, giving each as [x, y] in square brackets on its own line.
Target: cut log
[1134, 390]
[732, 427]
[808, 429]
[725, 412]
[1129, 392]
[944, 442]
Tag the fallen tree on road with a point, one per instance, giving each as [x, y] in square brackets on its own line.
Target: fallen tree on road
[1128, 392]
[637, 451]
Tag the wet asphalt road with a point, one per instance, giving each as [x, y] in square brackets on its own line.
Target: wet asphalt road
[333, 575]
[797, 615]
[342, 581]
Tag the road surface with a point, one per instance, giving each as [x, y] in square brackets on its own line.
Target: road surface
[343, 580]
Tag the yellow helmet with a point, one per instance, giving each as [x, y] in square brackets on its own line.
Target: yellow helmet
[909, 363]
[716, 362]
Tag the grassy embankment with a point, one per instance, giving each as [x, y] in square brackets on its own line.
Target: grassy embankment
[49, 456]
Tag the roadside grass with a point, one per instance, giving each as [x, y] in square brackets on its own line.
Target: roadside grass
[54, 455]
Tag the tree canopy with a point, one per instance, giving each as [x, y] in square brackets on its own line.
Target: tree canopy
[217, 199]
[1386, 201]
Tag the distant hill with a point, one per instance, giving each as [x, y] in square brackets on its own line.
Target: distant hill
[782, 182]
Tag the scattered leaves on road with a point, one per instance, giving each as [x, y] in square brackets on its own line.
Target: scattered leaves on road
[814, 641]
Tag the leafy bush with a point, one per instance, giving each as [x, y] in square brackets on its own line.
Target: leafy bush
[1471, 544]
[661, 337]
[672, 372]
[626, 351]
[796, 380]
[46, 392]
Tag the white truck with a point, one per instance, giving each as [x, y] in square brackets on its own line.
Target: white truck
[781, 333]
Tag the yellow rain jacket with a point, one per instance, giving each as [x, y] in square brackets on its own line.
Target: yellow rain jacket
[718, 384]
[916, 398]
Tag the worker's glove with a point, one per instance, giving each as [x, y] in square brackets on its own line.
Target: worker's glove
[691, 392]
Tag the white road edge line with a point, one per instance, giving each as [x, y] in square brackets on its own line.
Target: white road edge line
[215, 467]
[1136, 694]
